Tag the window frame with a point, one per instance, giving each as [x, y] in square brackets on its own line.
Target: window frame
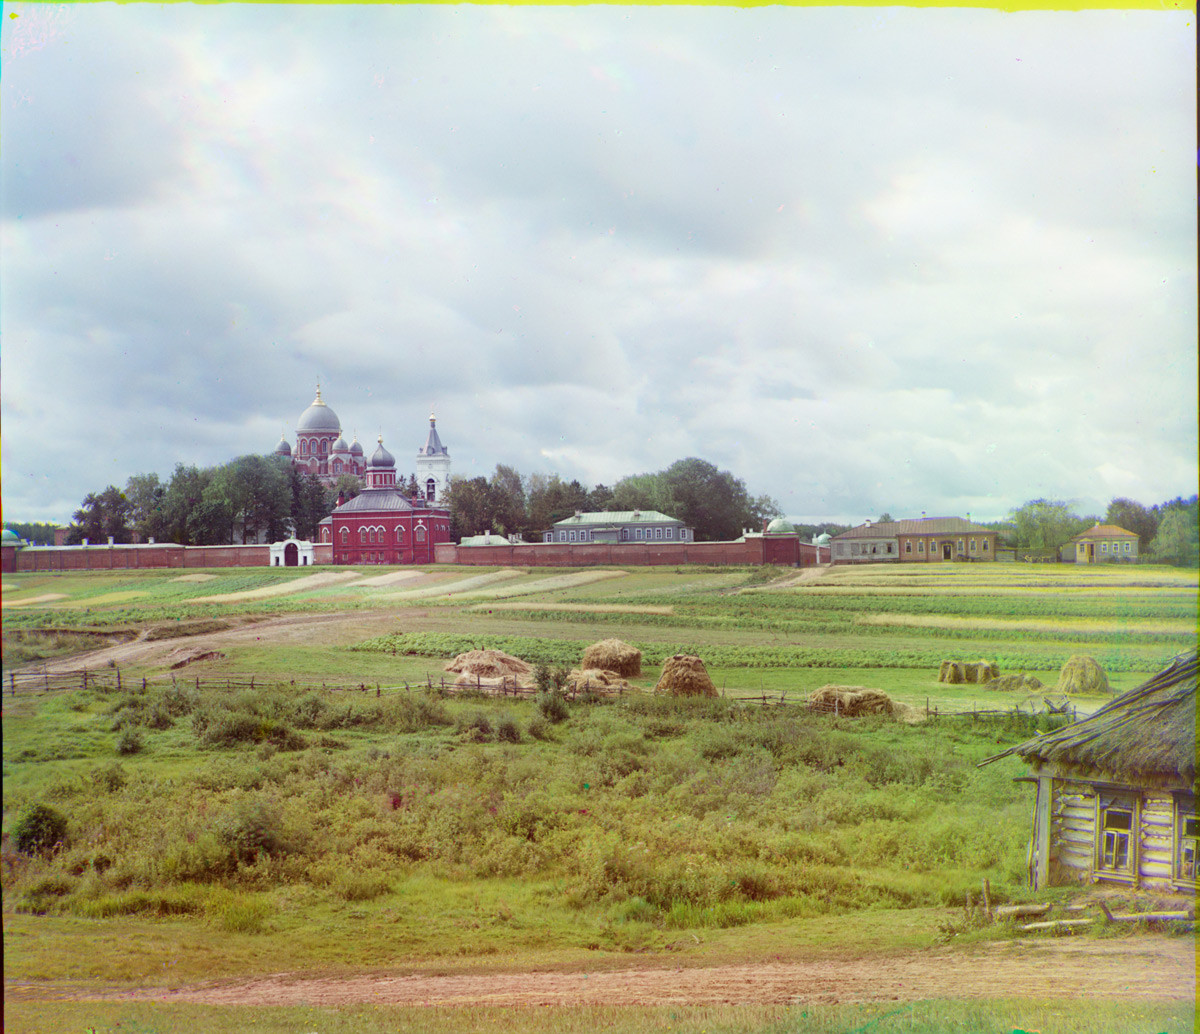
[1117, 803]
[1182, 842]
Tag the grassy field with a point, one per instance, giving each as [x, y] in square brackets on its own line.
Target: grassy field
[220, 834]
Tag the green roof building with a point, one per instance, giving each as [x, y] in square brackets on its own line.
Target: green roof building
[619, 526]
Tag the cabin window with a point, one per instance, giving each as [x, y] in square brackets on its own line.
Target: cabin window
[1127, 547]
[1114, 834]
[669, 533]
[920, 545]
[972, 545]
[658, 533]
[985, 545]
[1187, 837]
[907, 547]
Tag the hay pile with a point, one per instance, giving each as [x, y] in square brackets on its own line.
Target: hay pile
[1015, 684]
[685, 676]
[1081, 675]
[491, 669]
[489, 664]
[598, 680]
[615, 656]
[957, 672]
[852, 701]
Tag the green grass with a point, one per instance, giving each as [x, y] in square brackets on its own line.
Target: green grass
[940, 1017]
[281, 829]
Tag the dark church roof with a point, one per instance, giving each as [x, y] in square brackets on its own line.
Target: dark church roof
[1148, 733]
[375, 499]
[433, 444]
[318, 417]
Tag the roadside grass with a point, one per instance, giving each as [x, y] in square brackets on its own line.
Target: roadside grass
[997, 1016]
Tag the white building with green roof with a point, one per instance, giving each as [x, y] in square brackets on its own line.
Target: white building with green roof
[619, 526]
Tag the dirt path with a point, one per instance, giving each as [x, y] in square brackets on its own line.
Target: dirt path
[1150, 967]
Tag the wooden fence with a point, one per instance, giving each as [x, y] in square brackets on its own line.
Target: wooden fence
[37, 682]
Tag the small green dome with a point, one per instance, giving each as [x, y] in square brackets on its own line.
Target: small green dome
[781, 526]
[10, 537]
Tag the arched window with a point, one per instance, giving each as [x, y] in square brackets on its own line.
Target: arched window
[324, 534]
[419, 534]
[362, 535]
[399, 533]
[345, 536]
[303, 446]
[337, 466]
[430, 490]
[324, 446]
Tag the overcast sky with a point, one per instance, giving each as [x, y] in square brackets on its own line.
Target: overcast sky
[866, 259]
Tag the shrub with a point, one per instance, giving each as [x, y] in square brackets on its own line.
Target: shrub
[363, 886]
[38, 828]
[129, 742]
[538, 728]
[553, 706]
[542, 678]
[475, 727]
[111, 778]
[251, 828]
[507, 731]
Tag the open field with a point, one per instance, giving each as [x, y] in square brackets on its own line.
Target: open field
[643, 863]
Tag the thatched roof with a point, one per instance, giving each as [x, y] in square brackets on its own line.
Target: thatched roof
[1147, 734]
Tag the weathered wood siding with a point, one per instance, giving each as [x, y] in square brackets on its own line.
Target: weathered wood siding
[1156, 857]
[1072, 832]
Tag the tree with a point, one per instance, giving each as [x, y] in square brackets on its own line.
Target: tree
[884, 518]
[1178, 538]
[507, 502]
[469, 503]
[310, 504]
[412, 489]
[1131, 516]
[146, 495]
[600, 499]
[550, 499]
[347, 486]
[35, 532]
[102, 515]
[1046, 523]
[254, 495]
[190, 520]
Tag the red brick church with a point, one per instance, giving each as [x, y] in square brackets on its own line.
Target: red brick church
[382, 525]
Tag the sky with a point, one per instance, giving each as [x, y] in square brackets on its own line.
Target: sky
[879, 259]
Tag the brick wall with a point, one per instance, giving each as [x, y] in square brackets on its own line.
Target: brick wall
[109, 558]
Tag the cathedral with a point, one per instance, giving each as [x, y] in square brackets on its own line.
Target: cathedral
[321, 449]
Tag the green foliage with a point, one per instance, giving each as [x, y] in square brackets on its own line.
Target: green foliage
[553, 706]
[102, 515]
[129, 742]
[38, 828]
[507, 730]
[251, 828]
[1177, 540]
[1046, 523]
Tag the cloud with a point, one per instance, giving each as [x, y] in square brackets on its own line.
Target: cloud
[935, 260]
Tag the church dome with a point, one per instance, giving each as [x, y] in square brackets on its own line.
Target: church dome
[822, 539]
[283, 449]
[381, 459]
[781, 526]
[319, 417]
[10, 537]
[356, 448]
[340, 445]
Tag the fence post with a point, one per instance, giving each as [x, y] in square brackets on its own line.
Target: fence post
[118, 680]
[143, 683]
[12, 683]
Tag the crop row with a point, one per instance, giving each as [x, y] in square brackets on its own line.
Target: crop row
[537, 650]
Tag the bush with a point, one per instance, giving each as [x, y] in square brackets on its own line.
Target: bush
[507, 731]
[129, 742]
[38, 828]
[476, 727]
[111, 778]
[252, 828]
[553, 706]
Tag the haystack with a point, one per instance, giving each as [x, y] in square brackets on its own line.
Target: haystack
[489, 664]
[956, 672]
[1014, 684]
[685, 676]
[598, 680]
[852, 701]
[1081, 675]
[613, 655]
[497, 683]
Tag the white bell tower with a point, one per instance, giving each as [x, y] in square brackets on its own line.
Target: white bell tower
[433, 466]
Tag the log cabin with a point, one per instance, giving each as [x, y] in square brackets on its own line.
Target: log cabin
[1116, 792]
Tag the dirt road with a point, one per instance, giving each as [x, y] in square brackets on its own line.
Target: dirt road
[1130, 968]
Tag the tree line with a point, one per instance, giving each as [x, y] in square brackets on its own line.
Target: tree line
[715, 503]
[1167, 532]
